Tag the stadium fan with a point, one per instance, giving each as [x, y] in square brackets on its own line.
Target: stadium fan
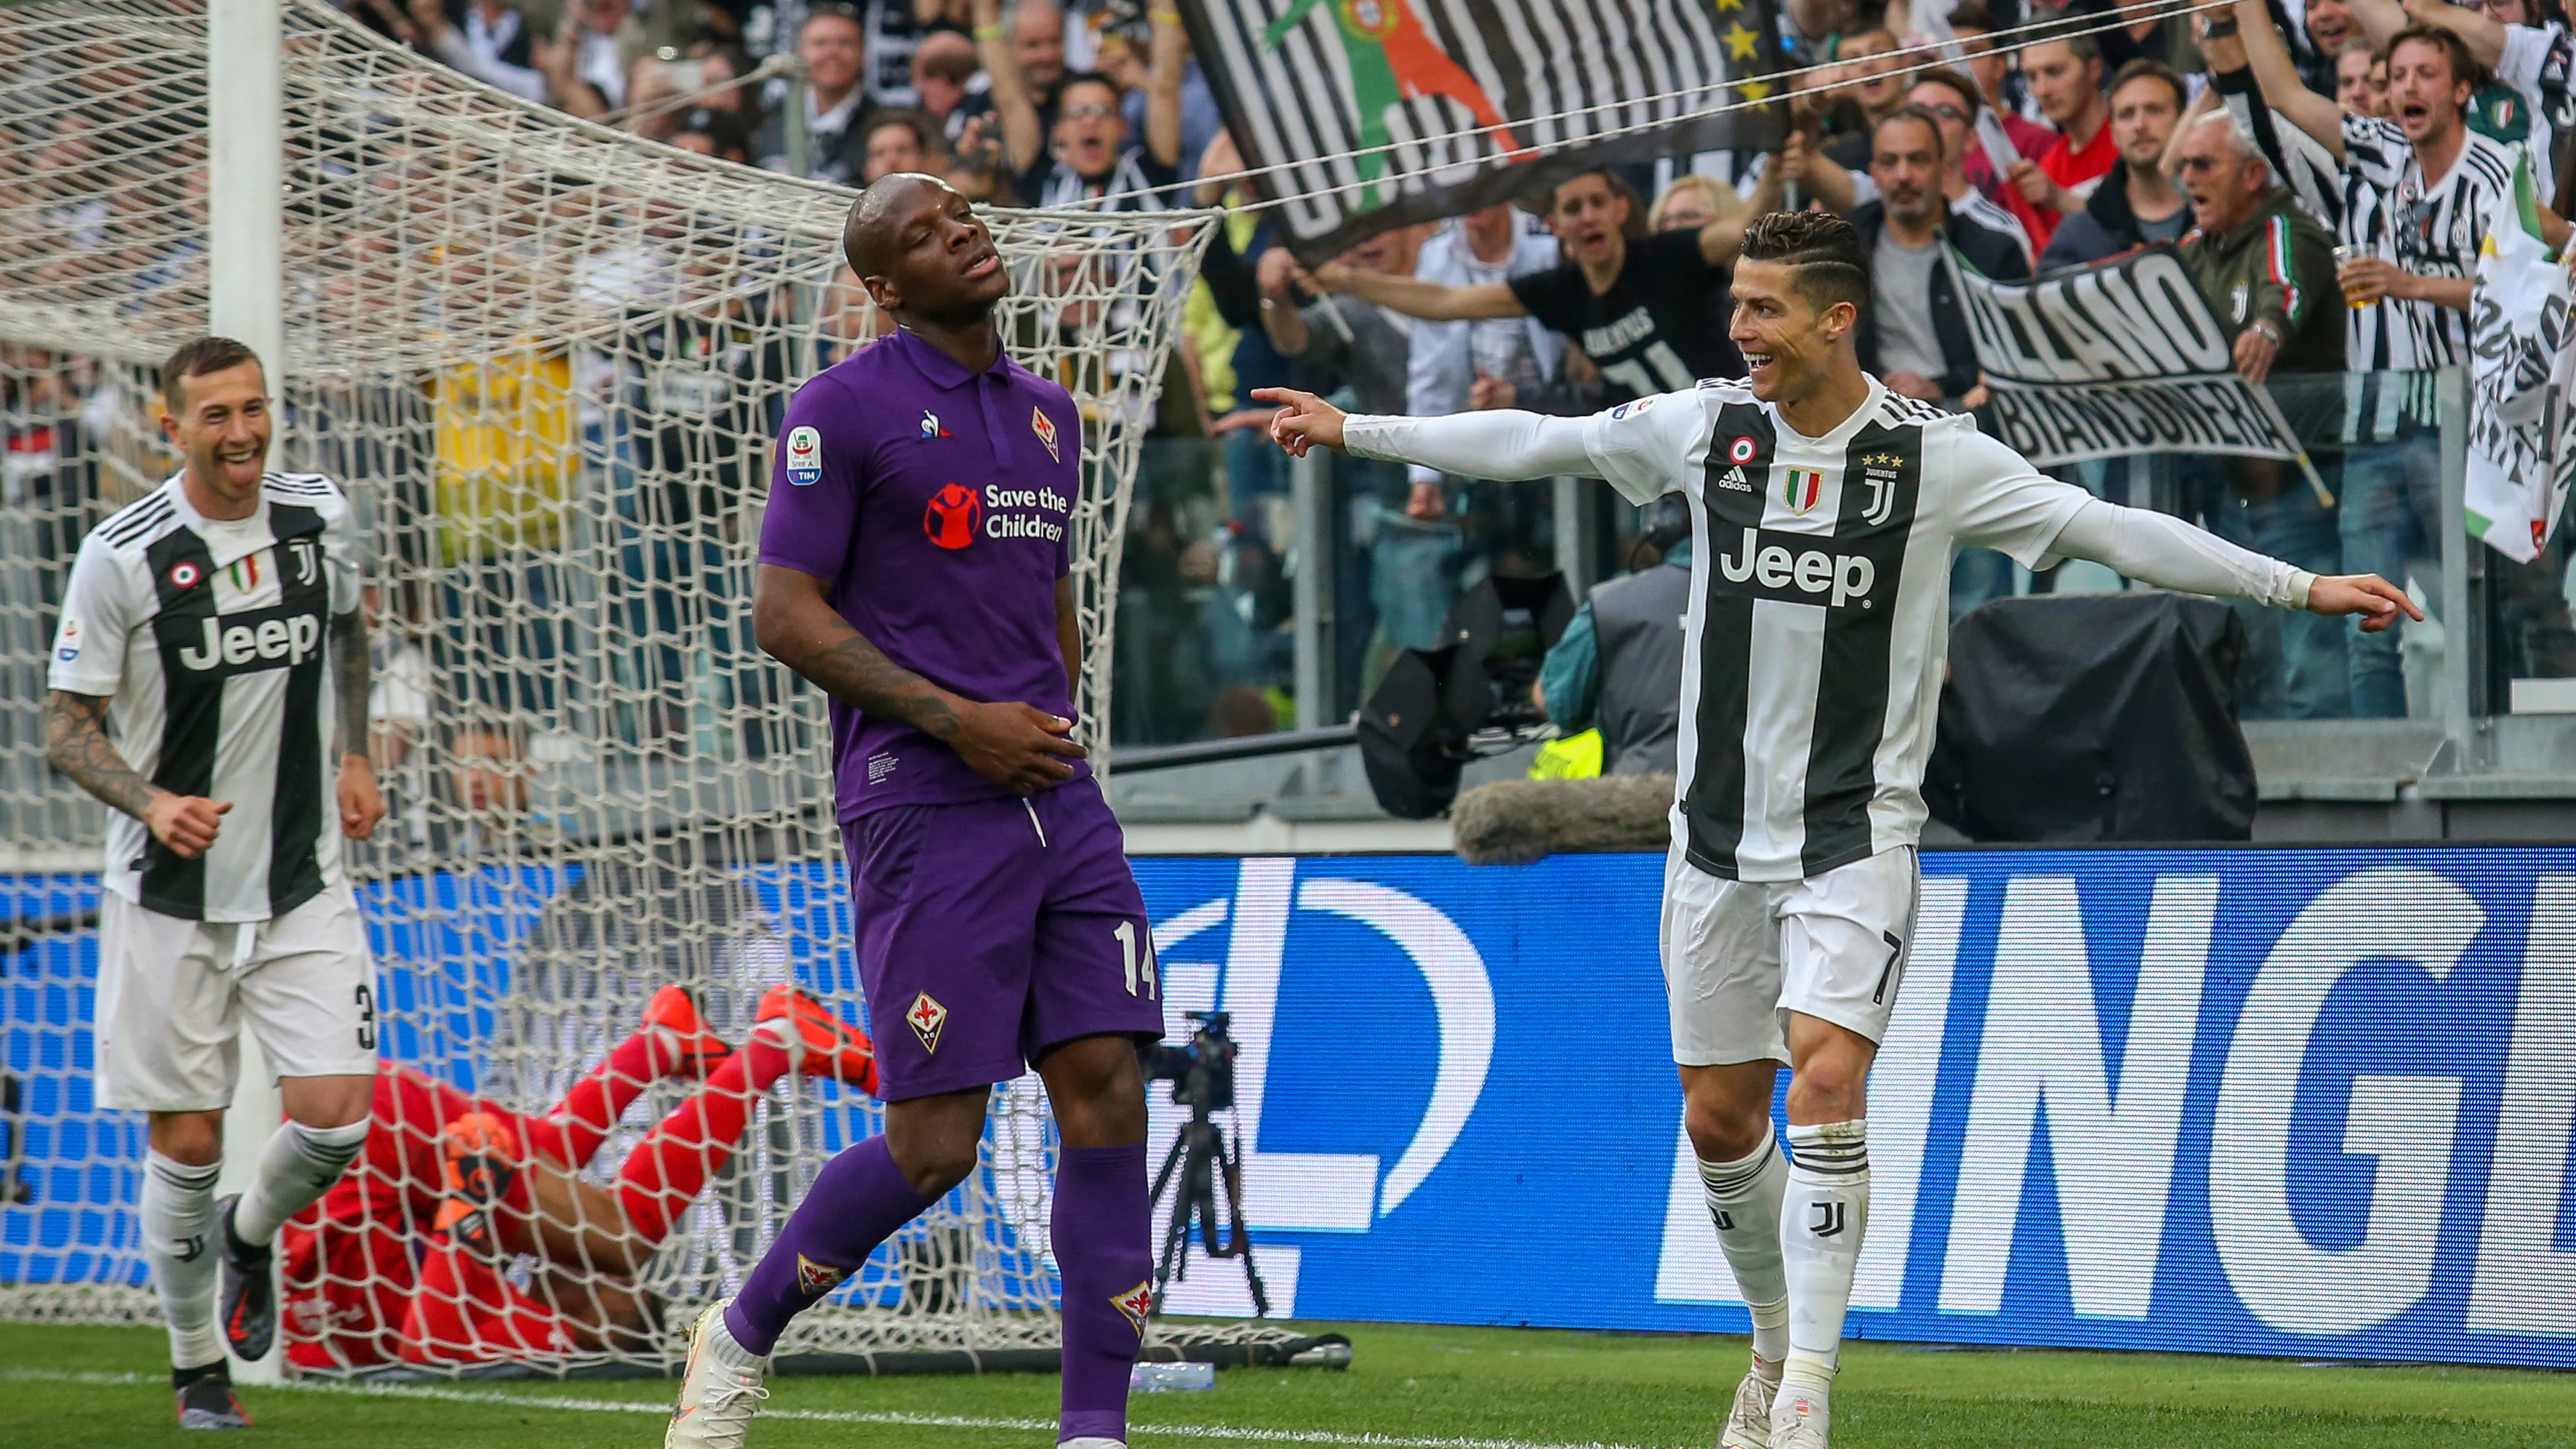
[916, 565]
[1082, 154]
[1814, 658]
[2066, 78]
[1642, 307]
[2002, 90]
[2419, 192]
[402, 1261]
[2135, 202]
[212, 640]
[831, 45]
[2530, 55]
[1918, 340]
[1952, 99]
[1874, 85]
[2361, 79]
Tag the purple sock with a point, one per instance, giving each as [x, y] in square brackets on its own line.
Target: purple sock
[857, 1201]
[1104, 1252]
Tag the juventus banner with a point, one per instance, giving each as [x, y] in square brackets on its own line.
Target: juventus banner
[2522, 402]
[1388, 112]
[2115, 359]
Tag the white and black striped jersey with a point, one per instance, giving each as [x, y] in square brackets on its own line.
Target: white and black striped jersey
[1819, 621]
[209, 639]
[2539, 67]
[2430, 226]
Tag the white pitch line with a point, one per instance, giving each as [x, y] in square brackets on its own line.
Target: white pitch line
[1217, 1432]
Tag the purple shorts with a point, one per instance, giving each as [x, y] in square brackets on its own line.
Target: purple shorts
[990, 932]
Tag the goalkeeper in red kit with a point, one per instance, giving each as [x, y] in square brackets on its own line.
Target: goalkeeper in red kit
[401, 1261]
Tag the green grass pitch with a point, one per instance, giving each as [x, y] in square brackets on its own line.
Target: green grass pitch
[1426, 1388]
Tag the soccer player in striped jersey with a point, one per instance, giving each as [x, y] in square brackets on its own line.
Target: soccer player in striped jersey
[1825, 511]
[211, 646]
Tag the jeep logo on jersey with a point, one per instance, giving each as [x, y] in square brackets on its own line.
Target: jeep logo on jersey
[1795, 568]
[247, 643]
[955, 514]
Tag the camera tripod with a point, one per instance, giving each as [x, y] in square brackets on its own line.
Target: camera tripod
[1199, 1159]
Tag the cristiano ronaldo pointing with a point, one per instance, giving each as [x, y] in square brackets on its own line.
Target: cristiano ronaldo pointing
[1826, 510]
[915, 565]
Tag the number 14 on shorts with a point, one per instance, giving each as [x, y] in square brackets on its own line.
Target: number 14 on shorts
[1139, 963]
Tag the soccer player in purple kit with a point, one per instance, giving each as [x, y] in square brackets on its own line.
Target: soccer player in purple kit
[915, 566]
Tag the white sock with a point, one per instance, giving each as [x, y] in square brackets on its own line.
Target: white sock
[298, 1166]
[1744, 1201]
[1824, 1216]
[178, 1213]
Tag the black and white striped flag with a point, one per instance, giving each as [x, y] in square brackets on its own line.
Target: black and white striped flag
[1382, 113]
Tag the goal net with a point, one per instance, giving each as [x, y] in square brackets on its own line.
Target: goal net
[545, 359]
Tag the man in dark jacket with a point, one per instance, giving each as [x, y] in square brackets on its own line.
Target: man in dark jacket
[2135, 202]
[2267, 270]
[1916, 337]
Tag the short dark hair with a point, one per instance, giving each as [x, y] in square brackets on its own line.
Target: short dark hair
[1074, 78]
[1972, 15]
[724, 132]
[1957, 84]
[1912, 115]
[2149, 68]
[2464, 66]
[1823, 250]
[925, 133]
[196, 358]
[2067, 30]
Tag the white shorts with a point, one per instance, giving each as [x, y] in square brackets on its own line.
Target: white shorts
[171, 1001]
[1740, 955]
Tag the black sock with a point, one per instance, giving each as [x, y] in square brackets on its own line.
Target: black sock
[219, 1370]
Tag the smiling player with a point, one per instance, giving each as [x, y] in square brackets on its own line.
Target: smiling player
[1825, 513]
[915, 565]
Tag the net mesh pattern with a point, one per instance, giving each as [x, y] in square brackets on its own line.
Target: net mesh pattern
[545, 360]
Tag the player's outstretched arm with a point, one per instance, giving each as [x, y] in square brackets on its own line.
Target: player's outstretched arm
[1501, 444]
[1007, 742]
[77, 743]
[2165, 551]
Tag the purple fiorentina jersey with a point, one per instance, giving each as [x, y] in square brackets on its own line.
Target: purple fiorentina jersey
[936, 502]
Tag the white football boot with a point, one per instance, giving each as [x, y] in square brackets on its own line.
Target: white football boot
[1748, 1424]
[720, 1391]
[1800, 1419]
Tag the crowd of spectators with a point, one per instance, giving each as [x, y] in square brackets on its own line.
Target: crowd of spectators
[2340, 151]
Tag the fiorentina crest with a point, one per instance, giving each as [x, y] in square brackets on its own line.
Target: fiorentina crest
[926, 1016]
[1137, 1303]
[816, 1279]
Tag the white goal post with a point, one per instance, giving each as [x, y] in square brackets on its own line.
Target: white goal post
[545, 359]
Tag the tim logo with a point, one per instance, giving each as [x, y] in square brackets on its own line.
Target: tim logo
[954, 517]
[1828, 1220]
[1137, 1303]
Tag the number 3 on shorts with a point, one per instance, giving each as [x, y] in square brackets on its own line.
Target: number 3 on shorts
[1126, 934]
[366, 1017]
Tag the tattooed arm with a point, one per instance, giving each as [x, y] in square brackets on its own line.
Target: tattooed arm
[77, 743]
[351, 678]
[1010, 743]
[361, 803]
